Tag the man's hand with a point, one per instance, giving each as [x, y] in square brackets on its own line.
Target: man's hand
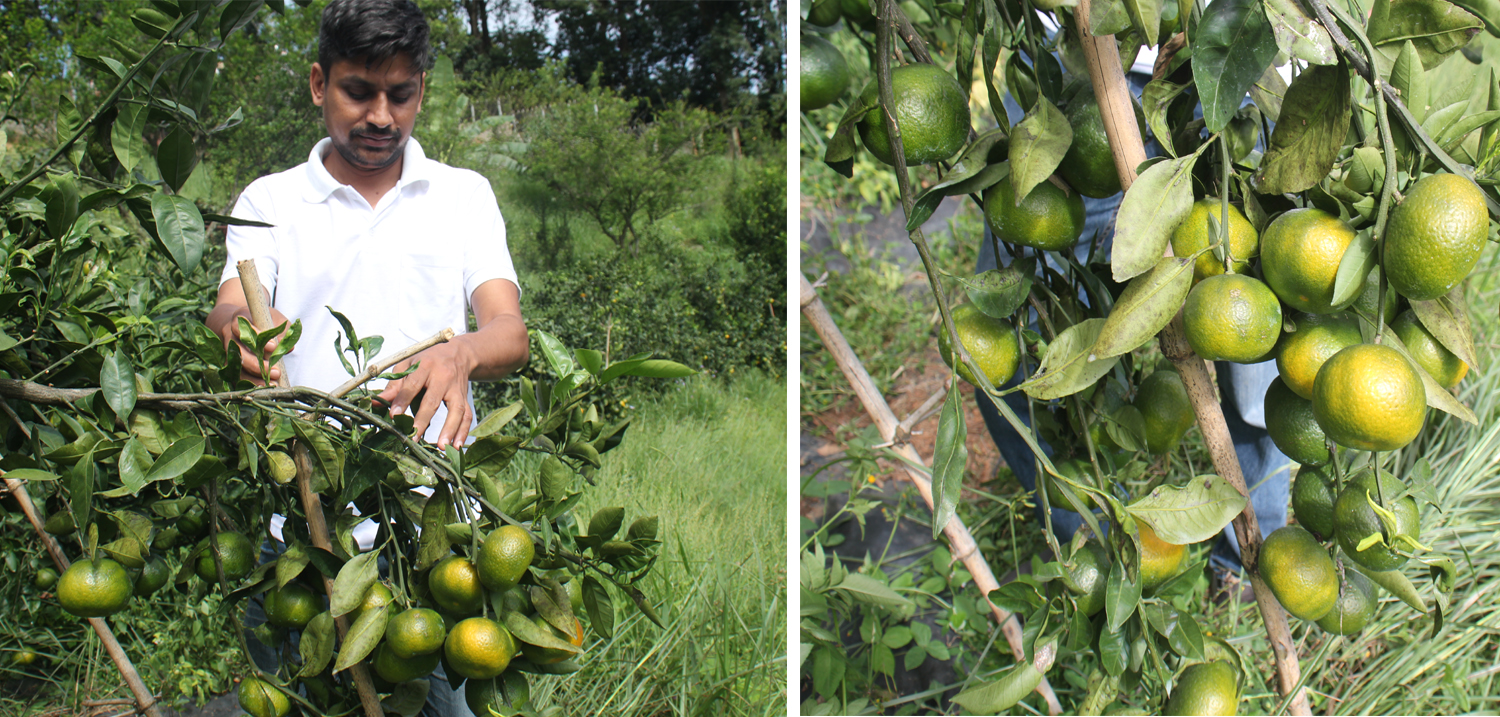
[441, 378]
[224, 321]
[444, 371]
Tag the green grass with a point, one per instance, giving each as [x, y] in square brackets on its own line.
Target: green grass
[698, 457]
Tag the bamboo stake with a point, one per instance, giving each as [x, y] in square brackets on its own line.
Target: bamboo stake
[312, 506]
[1108, 80]
[145, 702]
[960, 541]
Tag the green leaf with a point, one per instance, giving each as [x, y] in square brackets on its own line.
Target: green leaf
[326, 460]
[126, 135]
[1298, 34]
[1395, 582]
[1192, 512]
[1120, 596]
[1152, 208]
[1410, 78]
[290, 564]
[1437, 396]
[839, 155]
[180, 227]
[498, 419]
[1146, 307]
[31, 474]
[1108, 17]
[1233, 47]
[1114, 652]
[1156, 99]
[176, 157]
[1066, 368]
[1310, 133]
[6, 342]
[236, 14]
[867, 589]
[1146, 15]
[153, 22]
[999, 292]
[407, 698]
[1002, 694]
[971, 174]
[555, 352]
[353, 580]
[948, 461]
[1437, 28]
[1447, 319]
[591, 360]
[61, 199]
[1038, 145]
[117, 382]
[530, 633]
[599, 605]
[362, 637]
[81, 479]
[556, 478]
[177, 459]
[135, 465]
[438, 512]
[1354, 269]
[660, 368]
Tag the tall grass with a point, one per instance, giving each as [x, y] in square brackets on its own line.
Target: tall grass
[709, 458]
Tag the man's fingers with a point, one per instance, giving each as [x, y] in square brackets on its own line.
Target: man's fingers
[456, 428]
[424, 415]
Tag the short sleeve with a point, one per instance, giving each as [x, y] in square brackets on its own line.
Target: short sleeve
[486, 255]
[258, 243]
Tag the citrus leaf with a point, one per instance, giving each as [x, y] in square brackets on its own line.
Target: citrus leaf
[1268, 92]
[997, 293]
[126, 135]
[1298, 35]
[236, 14]
[1359, 260]
[1002, 694]
[600, 606]
[1120, 595]
[1310, 133]
[1189, 513]
[1152, 208]
[31, 474]
[1146, 16]
[1037, 146]
[61, 199]
[363, 636]
[1114, 652]
[176, 157]
[591, 361]
[353, 580]
[660, 368]
[1065, 369]
[1108, 17]
[117, 382]
[327, 463]
[407, 698]
[555, 352]
[1410, 77]
[1461, 129]
[1437, 28]
[290, 564]
[180, 228]
[1438, 123]
[532, 634]
[317, 644]
[839, 155]
[1155, 100]
[1437, 396]
[177, 459]
[1233, 47]
[1146, 307]
[927, 202]
[135, 465]
[948, 462]
[1447, 318]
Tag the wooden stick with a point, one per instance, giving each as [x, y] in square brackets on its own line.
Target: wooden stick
[1113, 94]
[375, 369]
[312, 506]
[145, 702]
[959, 539]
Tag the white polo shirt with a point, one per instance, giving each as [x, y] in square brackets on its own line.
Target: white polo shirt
[403, 269]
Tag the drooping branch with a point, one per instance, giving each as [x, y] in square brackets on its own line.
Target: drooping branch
[1114, 96]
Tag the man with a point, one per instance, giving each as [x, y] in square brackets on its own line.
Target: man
[400, 244]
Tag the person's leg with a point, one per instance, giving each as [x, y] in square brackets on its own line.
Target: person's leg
[1266, 469]
[262, 654]
[442, 699]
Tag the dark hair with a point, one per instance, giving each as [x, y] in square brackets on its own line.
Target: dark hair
[373, 31]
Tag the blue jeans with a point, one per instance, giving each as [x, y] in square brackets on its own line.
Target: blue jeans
[1266, 468]
[442, 699]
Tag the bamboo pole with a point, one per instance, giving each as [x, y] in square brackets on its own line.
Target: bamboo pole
[312, 506]
[145, 702]
[960, 541]
[1114, 96]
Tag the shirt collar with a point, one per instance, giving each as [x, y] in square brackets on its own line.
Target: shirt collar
[321, 184]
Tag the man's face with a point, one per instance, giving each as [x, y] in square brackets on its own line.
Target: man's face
[369, 112]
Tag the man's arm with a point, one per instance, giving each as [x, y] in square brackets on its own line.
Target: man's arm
[497, 348]
[230, 305]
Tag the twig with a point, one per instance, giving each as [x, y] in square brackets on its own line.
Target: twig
[1108, 80]
[374, 370]
[144, 700]
[923, 411]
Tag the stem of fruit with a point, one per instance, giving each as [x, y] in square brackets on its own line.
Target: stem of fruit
[145, 702]
[960, 541]
[312, 506]
[1108, 80]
